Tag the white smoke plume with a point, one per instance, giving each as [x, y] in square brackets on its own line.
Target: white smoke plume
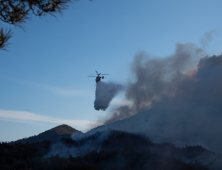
[175, 99]
[105, 92]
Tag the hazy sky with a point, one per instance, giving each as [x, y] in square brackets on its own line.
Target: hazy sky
[43, 76]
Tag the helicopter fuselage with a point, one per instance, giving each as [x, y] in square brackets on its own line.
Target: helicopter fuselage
[98, 77]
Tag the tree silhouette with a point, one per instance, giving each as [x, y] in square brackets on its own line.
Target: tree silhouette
[4, 37]
[16, 12]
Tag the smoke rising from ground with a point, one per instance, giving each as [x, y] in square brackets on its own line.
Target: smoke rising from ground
[105, 92]
[175, 99]
[156, 78]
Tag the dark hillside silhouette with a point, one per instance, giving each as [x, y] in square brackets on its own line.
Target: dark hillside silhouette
[52, 134]
[121, 150]
[109, 150]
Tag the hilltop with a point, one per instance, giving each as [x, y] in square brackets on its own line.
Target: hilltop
[106, 150]
[52, 134]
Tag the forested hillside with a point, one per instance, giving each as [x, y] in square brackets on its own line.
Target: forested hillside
[108, 150]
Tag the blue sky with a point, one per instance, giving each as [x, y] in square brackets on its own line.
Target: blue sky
[43, 76]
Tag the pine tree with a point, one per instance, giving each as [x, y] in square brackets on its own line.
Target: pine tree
[16, 12]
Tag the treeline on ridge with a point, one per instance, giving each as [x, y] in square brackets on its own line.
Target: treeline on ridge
[113, 151]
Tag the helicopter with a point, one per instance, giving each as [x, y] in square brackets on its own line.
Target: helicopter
[98, 77]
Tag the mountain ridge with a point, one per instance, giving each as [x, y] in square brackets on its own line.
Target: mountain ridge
[52, 134]
[114, 148]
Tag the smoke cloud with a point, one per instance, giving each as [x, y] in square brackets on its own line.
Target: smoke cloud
[156, 78]
[175, 99]
[105, 92]
[207, 38]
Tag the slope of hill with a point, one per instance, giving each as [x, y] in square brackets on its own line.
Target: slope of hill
[117, 146]
[52, 134]
[132, 124]
[110, 149]
[104, 151]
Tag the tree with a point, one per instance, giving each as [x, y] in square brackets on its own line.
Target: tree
[4, 37]
[16, 12]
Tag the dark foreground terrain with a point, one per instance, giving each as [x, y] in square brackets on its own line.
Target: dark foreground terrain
[110, 150]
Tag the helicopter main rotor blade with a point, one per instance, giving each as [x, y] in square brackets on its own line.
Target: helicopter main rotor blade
[104, 74]
[91, 76]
